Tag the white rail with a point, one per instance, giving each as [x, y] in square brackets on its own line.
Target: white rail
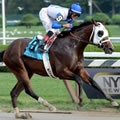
[102, 54]
[115, 39]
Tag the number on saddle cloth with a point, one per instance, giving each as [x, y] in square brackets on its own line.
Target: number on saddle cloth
[34, 43]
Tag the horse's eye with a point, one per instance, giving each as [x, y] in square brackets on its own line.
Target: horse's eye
[100, 33]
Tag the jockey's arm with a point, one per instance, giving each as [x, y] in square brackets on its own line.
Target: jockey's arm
[57, 25]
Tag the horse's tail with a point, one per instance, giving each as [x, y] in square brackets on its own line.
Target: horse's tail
[1, 55]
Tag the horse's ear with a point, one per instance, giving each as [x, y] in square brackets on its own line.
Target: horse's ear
[104, 22]
[94, 22]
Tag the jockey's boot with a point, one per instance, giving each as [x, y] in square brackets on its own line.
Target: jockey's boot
[44, 41]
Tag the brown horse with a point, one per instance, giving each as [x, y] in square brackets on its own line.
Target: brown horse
[66, 58]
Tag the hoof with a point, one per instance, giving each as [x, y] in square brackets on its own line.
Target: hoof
[80, 104]
[115, 104]
[52, 108]
[79, 107]
[23, 116]
[28, 116]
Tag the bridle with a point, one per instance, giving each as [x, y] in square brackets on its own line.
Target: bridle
[90, 38]
[88, 42]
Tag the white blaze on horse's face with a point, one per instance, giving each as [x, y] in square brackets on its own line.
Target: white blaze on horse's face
[100, 33]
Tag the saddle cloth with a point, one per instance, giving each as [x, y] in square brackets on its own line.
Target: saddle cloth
[31, 51]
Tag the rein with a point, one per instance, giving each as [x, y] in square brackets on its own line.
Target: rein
[90, 39]
[78, 38]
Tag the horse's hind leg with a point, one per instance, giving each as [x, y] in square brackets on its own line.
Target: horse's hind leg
[18, 88]
[23, 76]
[24, 83]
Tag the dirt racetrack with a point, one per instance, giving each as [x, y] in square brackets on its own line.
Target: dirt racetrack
[71, 115]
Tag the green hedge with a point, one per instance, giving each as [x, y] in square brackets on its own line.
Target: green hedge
[116, 19]
[29, 20]
[88, 18]
[100, 17]
[104, 17]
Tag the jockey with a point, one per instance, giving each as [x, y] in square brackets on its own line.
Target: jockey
[51, 17]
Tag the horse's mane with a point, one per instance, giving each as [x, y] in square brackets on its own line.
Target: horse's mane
[66, 33]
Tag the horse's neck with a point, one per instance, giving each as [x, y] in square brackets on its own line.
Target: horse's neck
[74, 44]
[84, 33]
[84, 36]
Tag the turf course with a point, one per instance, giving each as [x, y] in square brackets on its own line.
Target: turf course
[53, 90]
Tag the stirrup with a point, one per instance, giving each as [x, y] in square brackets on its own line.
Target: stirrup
[42, 50]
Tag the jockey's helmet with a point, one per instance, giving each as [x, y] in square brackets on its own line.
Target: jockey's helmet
[76, 9]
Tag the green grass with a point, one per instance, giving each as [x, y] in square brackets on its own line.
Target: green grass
[50, 89]
[22, 31]
[114, 30]
[53, 90]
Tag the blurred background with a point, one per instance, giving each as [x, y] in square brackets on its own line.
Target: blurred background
[22, 16]
[17, 9]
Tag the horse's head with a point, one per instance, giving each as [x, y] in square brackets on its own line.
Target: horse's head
[101, 37]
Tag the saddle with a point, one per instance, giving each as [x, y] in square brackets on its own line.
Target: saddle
[35, 43]
[32, 48]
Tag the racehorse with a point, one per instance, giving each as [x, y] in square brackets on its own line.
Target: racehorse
[66, 59]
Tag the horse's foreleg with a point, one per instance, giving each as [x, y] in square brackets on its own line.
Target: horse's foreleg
[79, 88]
[79, 93]
[86, 78]
[72, 76]
[108, 97]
